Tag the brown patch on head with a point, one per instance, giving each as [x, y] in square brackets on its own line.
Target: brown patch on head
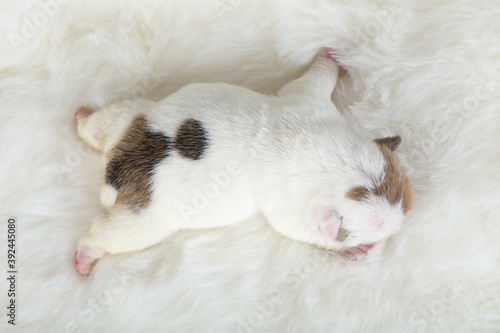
[191, 139]
[133, 161]
[396, 186]
[358, 193]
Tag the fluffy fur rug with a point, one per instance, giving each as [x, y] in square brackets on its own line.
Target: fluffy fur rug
[427, 70]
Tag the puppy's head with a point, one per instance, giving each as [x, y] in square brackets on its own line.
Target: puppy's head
[374, 198]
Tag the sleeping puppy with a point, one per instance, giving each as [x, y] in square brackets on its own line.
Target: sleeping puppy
[213, 154]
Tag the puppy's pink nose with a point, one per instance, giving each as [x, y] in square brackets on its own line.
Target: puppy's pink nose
[82, 113]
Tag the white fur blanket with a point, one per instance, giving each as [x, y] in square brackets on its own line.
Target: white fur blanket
[426, 70]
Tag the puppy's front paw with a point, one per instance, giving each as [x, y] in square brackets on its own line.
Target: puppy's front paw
[356, 252]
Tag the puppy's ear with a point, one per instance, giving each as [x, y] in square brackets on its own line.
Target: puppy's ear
[391, 141]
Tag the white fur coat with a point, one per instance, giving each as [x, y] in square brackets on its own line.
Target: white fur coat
[426, 70]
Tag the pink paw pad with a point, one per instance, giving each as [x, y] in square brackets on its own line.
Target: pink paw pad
[82, 113]
[83, 263]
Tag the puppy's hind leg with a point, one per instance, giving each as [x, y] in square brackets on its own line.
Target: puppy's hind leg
[117, 233]
[319, 80]
[100, 129]
[88, 128]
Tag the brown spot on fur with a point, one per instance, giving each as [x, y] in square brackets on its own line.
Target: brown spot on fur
[191, 139]
[342, 234]
[396, 186]
[378, 191]
[133, 161]
[358, 193]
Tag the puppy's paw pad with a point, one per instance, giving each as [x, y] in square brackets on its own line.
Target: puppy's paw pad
[84, 262]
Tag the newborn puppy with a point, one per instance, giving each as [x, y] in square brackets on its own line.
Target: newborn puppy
[213, 154]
